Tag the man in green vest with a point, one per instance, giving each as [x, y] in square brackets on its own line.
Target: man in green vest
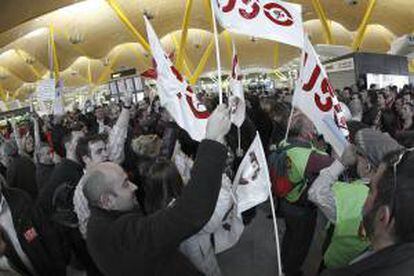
[388, 221]
[342, 202]
[304, 163]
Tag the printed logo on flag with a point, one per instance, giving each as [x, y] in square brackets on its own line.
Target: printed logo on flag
[174, 92]
[273, 11]
[196, 108]
[315, 97]
[252, 178]
[236, 101]
[269, 19]
[327, 101]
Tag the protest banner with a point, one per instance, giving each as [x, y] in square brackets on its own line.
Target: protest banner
[315, 97]
[174, 92]
[268, 19]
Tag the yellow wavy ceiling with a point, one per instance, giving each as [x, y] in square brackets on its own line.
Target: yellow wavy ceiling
[91, 41]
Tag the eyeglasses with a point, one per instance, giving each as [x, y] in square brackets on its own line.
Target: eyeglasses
[395, 182]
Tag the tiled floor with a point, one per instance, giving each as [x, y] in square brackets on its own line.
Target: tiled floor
[255, 254]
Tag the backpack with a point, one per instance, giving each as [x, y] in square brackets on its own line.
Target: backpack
[62, 205]
[279, 165]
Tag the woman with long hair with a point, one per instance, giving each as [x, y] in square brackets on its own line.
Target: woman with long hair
[163, 185]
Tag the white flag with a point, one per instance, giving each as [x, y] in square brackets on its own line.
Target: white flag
[269, 19]
[58, 108]
[174, 92]
[3, 107]
[315, 97]
[231, 226]
[230, 230]
[252, 177]
[237, 102]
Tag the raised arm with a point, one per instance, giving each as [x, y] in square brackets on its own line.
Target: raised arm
[36, 137]
[17, 136]
[167, 228]
[321, 192]
[118, 134]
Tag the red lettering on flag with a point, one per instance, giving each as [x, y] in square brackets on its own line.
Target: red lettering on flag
[255, 9]
[278, 14]
[315, 75]
[229, 6]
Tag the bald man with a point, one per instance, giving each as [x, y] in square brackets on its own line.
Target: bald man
[107, 185]
[123, 241]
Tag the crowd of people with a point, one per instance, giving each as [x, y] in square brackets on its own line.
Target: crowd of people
[123, 190]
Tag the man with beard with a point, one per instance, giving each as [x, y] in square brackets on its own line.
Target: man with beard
[388, 220]
[342, 202]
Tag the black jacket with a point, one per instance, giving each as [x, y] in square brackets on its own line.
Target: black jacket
[58, 133]
[43, 173]
[21, 174]
[66, 171]
[133, 244]
[70, 239]
[41, 248]
[397, 260]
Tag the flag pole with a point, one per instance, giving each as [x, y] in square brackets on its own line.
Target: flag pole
[276, 231]
[217, 56]
[292, 110]
[239, 151]
[50, 53]
[289, 122]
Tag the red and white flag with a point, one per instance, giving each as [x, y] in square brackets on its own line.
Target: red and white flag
[237, 102]
[252, 178]
[315, 97]
[174, 92]
[268, 19]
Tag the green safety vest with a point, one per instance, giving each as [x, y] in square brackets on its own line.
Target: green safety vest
[346, 244]
[298, 157]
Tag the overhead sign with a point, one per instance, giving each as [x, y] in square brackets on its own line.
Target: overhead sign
[46, 90]
[340, 65]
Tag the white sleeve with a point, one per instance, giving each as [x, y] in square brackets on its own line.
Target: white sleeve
[117, 137]
[321, 192]
[81, 208]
